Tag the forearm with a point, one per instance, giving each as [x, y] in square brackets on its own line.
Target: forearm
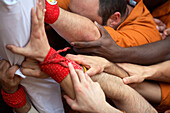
[24, 109]
[145, 54]
[73, 27]
[158, 72]
[67, 86]
[107, 108]
[113, 69]
[123, 95]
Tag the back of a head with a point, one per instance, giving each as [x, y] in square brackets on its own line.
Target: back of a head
[109, 7]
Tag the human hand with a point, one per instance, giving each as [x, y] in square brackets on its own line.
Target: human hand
[9, 81]
[160, 25]
[94, 64]
[137, 74]
[168, 111]
[38, 46]
[89, 95]
[97, 65]
[105, 46]
[31, 68]
[166, 33]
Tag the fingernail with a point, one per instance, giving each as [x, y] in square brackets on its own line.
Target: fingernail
[8, 47]
[72, 43]
[125, 80]
[95, 23]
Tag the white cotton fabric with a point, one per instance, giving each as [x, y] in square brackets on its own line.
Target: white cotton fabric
[15, 24]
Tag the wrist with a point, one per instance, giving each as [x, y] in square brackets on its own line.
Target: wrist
[44, 54]
[148, 72]
[52, 11]
[10, 91]
[152, 72]
[108, 66]
[107, 108]
[24, 109]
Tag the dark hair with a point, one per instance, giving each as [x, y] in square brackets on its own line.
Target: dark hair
[109, 7]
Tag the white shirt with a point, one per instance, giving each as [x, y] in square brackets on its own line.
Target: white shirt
[15, 24]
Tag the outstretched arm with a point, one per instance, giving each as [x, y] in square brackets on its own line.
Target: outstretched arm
[107, 48]
[71, 26]
[158, 72]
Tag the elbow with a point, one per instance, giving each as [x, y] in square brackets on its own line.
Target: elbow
[91, 35]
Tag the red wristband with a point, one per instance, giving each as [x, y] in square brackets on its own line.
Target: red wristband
[15, 100]
[56, 65]
[52, 11]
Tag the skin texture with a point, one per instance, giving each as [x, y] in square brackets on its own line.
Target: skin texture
[9, 82]
[117, 92]
[158, 72]
[145, 54]
[97, 65]
[89, 95]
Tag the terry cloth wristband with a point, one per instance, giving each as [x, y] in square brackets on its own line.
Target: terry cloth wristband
[52, 11]
[56, 65]
[15, 100]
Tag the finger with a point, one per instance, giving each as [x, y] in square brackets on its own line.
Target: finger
[161, 28]
[88, 78]
[17, 50]
[92, 71]
[3, 67]
[34, 73]
[31, 65]
[81, 75]
[39, 12]
[11, 71]
[34, 20]
[124, 66]
[130, 80]
[87, 51]
[17, 79]
[77, 58]
[70, 101]
[86, 44]
[73, 75]
[101, 28]
[31, 60]
[167, 32]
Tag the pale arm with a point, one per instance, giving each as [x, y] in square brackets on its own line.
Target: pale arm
[159, 72]
[73, 27]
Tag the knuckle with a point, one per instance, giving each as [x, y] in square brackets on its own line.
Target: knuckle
[86, 85]
[78, 89]
[73, 106]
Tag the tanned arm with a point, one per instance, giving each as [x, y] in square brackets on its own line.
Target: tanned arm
[146, 54]
[73, 27]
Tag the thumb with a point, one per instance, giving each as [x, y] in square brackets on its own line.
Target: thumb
[17, 50]
[101, 28]
[69, 100]
[92, 71]
[130, 80]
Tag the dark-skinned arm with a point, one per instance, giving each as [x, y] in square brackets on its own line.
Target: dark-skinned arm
[107, 48]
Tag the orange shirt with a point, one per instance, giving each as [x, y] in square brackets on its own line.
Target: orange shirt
[64, 4]
[163, 13]
[137, 29]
